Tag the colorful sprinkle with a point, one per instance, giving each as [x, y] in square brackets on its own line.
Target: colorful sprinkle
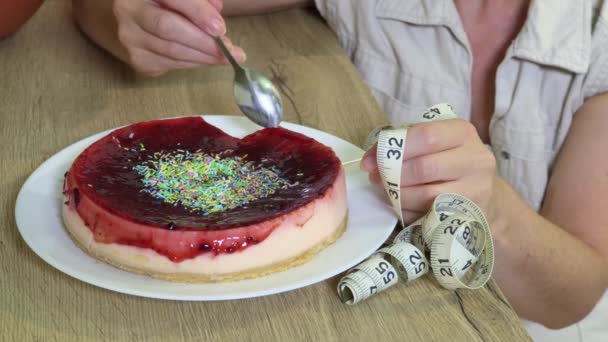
[206, 183]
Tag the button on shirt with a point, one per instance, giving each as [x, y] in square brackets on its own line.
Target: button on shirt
[415, 53]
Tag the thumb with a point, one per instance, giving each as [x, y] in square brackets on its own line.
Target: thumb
[368, 162]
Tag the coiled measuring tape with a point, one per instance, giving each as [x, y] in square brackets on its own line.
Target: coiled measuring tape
[453, 239]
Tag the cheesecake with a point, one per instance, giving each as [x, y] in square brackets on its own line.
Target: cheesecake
[179, 199]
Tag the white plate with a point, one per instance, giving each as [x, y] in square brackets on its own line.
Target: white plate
[37, 212]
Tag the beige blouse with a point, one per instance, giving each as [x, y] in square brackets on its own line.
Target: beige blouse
[415, 53]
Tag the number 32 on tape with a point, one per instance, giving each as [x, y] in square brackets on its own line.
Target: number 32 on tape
[454, 233]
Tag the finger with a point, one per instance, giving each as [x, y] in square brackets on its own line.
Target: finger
[443, 166]
[416, 198]
[177, 51]
[173, 27]
[436, 167]
[374, 178]
[236, 51]
[201, 13]
[410, 216]
[427, 138]
[432, 137]
[151, 64]
[421, 197]
[368, 162]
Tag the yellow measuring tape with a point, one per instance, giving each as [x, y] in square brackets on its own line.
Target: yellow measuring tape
[454, 234]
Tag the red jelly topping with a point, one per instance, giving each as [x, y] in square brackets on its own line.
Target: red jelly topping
[104, 188]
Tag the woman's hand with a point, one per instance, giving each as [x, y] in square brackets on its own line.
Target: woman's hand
[441, 156]
[162, 35]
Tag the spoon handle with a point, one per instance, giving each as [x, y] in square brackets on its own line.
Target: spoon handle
[228, 55]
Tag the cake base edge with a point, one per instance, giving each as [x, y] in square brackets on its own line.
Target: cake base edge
[80, 239]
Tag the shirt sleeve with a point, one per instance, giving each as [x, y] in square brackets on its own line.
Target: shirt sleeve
[596, 80]
[341, 17]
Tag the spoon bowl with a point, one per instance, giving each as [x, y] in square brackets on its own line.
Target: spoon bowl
[255, 94]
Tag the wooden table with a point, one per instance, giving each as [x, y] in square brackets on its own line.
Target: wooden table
[56, 88]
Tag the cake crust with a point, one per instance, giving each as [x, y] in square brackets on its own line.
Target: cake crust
[80, 238]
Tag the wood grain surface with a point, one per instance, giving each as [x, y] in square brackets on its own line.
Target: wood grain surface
[57, 88]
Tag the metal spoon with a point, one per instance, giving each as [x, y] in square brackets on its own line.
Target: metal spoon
[255, 94]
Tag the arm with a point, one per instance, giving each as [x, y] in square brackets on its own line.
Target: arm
[96, 19]
[553, 267]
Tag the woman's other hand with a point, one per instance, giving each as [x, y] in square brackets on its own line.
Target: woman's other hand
[439, 157]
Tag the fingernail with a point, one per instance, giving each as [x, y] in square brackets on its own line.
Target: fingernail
[240, 54]
[217, 27]
[367, 164]
[228, 44]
